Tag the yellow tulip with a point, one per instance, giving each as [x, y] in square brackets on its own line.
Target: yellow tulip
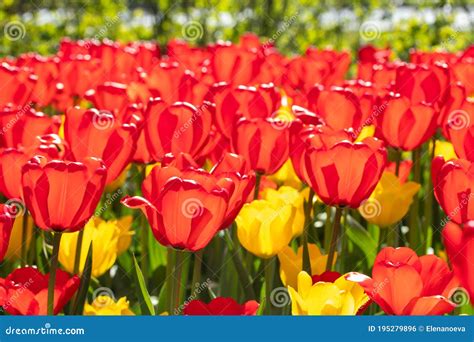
[342, 297]
[107, 306]
[445, 149]
[109, 239]
[293, 197]
[390, 200]
[291, 263]
[17, 239]
[286, 175]
[264, 226]
[365, 132]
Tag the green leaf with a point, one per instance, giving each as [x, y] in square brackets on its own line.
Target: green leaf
[84, 286]
[361, 237]
[145, 300]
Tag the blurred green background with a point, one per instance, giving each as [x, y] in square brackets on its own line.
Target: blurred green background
[295, 24]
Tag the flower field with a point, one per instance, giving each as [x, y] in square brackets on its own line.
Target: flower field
[230, 178]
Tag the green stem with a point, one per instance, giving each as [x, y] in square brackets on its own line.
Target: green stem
[77, 257]
[144, 245]
[428, 224]
[244, 277]
[335, 235]
[197, 271]
[415, 207]
[178, 269]
[258, 178]
[169, 279]
[327, 229]
[392, 235]
[398, 156]
[269, 273]
[24, 239]
[52, 272]
[304, 236]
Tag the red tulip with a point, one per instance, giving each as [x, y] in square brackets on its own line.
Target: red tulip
[422, 83]
[185, 208]
[371, 54]
[7, 218]
[20, 84]
[22, 126]
[180, 127]
[405, 125]
[249, 102]
[221, 306]
[62, 195]
[459, 244]
[404, 284]
[339, 107]
[463, 142]
[380, 75]
[457, 111]
[148, 54]
[110, 96]
[263, 142]
[453, 183]
[12, 161]
[94, 133]
[345, 173]
[25, 291]
[403, 171]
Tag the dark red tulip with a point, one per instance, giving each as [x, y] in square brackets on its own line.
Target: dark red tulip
[371, 54]
[20, 127]
[221, 306]
[262, 142]
[345, 173]
[459, 242]
[25, 291]
[180, 127]
[7, 218]
[232, 103]
[453, 183]
[62, 195]
[94, 133]
[404, 284]
[405, 125]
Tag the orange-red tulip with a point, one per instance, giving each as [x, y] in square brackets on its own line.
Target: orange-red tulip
[62, 195]
[18, 85]
[404, 284]
[25, 291]
[7, 218]
[459, 244]
[94, 133]
[453, 183]
[345, 173]
[263, 142]
[221, 306]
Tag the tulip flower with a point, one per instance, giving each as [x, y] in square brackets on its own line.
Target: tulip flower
[459, 244]
[404, 284]
[24, 291]
[109, 239]
[293, 197]
[286, 175]
[110, 96]
[21, 82]
[463, 141]
[11, 162]
[93, 133]
[345, 173]
[264, 227]
[180, 127]
[453, 183]
[404, 169]
[341, 297]
[390, 201]
[6, 225]
[62, 195]
[22, 126]
[291, 263]
[263, 142]
[444, 149]
[221, 306]
[405, 125]
[107, 306]
[232, 103]
[18, 239]
[184, 208]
